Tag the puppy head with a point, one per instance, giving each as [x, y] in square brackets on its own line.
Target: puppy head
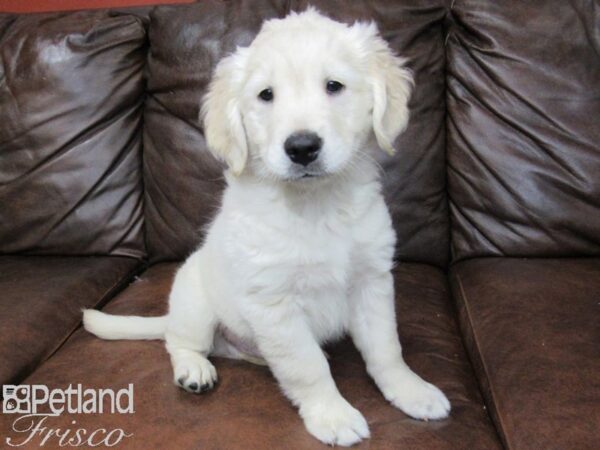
[304, 98]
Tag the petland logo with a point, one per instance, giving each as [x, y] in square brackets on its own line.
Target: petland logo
[32, 425]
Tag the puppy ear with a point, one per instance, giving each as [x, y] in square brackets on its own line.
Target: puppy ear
[392, 85]
[223, 127]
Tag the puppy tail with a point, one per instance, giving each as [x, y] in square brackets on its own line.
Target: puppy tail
[107, 326]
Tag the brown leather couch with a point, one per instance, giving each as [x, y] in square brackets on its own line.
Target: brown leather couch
[105, 185]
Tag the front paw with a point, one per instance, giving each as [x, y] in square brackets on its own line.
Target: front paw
[335, 423]
[419, 399]
[194, 373]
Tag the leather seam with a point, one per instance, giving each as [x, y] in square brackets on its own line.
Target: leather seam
[108, 294]
[500, 425]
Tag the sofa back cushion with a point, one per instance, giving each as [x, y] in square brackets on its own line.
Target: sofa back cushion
[183, 182]
[524, 128]
[71, 94]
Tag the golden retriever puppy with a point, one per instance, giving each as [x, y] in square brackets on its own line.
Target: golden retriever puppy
[301, 251]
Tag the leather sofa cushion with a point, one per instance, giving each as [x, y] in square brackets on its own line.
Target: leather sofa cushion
[247, 409]
[41, 300]
[523, 128]
[183, 182]
[532, 329]
[70, 138]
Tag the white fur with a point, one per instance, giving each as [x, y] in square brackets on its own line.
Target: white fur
[123, 327]
[290, 262]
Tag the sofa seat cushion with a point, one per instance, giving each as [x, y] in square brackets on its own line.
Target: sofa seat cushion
[247, 410]
[40, 303]
[533, 331]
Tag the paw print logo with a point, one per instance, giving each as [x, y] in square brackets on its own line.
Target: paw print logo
[16, 399]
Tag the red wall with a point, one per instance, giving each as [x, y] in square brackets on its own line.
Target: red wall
[63, 5]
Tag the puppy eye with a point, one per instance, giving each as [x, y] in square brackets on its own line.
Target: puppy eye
[266, 95]
[334, 87]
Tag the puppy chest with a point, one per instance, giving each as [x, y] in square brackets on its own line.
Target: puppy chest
[307, 269]
[296, 259]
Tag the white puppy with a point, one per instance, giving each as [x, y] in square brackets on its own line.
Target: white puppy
[301, 250]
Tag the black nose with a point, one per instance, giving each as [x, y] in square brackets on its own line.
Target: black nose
[303, 147]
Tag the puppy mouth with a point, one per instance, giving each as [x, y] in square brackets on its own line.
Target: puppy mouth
[302, 174]
[308, 176]
[305, 173]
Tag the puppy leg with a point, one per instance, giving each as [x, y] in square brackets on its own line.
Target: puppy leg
[373, 330]
[190, 332]
[297, 361]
